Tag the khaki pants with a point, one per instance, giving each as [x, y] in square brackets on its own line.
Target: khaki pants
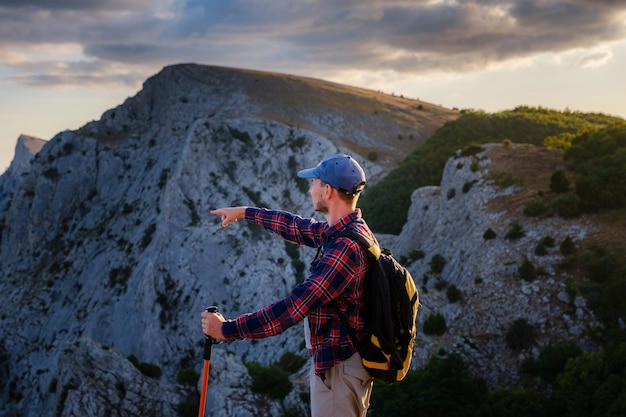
[344, 392]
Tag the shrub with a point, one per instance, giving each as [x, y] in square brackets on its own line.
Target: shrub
[272, 380]
[187, 376]
[515, 232]
[559, 182]
[468, 185]
[291, 362]
[541, 248]
[435, 324]
[489, 234]
[187, 409]
[534, 207]
[567, 246]
[547, 241]
[148, 369]
[472, 149]
[589, 386]
[599, 264]
[568, 205]
[520, 335]
[527, 270]
[504, 179]
[151, 370]
[437, 262]
[414, 255]
[551, 361]
[560, 141]
[453, 294]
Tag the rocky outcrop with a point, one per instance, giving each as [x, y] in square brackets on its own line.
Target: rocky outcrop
[449, 222]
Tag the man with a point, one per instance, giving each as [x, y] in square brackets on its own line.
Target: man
[340, 385]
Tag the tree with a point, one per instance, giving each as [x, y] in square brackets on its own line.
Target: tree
[521, 335]
[559, 182]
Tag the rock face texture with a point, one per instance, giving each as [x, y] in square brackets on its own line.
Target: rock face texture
[108, 252]
[447, 225]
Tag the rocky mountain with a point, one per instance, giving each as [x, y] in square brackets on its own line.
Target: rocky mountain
[108, 252]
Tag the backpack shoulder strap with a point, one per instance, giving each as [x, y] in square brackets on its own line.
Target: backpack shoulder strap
[372, 247]
[369, 244]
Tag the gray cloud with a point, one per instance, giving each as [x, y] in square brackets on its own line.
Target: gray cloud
[401, 35]
[75, 4]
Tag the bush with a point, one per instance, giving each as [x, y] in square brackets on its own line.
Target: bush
[489, 234]
[527, 270]
[515, 232]
[568, 205]
[599, 264]
[518, 402]
[472, 149]
[291, 362]
[589, 387]
[468, 186]
[559, 182]
[148, 369]
[567, 246]
[541, 248]
[547, 241]
[453, 294]
[435, 324]
[521, 335]
[437, 262]
[534, 208]
[187, 376]
[272, 380]
[551, 361]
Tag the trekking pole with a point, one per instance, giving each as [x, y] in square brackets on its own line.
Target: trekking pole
[208, 344]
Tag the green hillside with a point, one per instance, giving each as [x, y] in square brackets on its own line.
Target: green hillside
[385, 205]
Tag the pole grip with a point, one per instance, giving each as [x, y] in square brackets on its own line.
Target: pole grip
[208, 341]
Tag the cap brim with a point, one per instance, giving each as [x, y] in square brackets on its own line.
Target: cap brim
[308, 173]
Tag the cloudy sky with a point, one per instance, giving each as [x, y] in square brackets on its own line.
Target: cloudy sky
[64, 62]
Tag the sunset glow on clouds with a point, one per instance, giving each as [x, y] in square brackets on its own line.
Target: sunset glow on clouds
[64, 62]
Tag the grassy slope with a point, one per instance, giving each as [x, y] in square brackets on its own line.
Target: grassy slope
[385, 204]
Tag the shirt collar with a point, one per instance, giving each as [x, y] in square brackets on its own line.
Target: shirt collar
[342, 223]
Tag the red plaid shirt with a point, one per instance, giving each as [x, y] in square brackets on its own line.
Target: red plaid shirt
[337, 274]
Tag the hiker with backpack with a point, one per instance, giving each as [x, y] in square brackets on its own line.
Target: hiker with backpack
[340, 385]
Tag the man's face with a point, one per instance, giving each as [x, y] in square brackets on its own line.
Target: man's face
[318, 191]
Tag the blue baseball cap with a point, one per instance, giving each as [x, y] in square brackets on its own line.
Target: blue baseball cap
[340, 171]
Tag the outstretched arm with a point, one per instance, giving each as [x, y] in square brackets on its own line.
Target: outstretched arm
[230, 214]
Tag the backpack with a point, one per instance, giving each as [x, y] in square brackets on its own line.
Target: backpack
[392, 302]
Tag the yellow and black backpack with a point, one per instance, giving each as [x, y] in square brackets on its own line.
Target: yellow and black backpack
[392, 302]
